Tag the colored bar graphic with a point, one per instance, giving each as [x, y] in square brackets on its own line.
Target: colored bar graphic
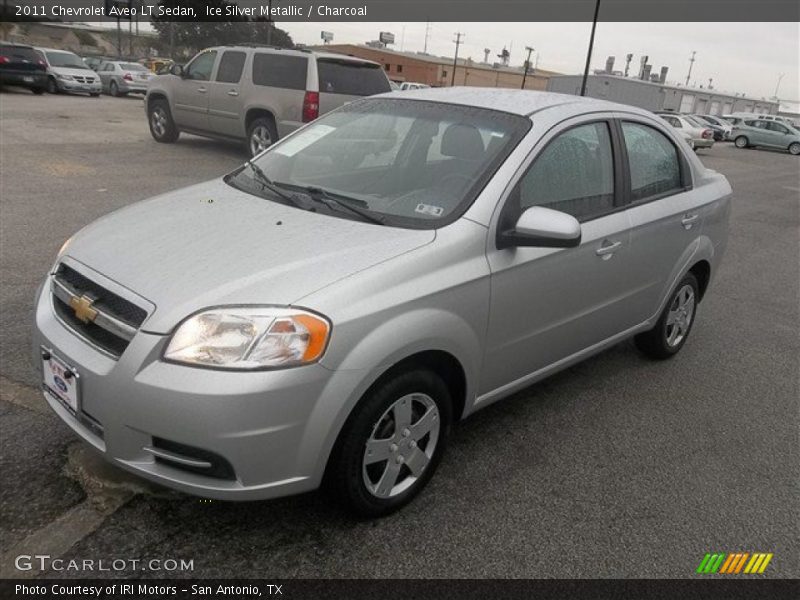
[729, 563]
[741, 562]
[733, 563]
[764, 564]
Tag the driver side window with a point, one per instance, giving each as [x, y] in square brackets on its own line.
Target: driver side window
[200, 68]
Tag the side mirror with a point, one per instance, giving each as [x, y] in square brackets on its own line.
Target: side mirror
[542, 227]
[177, 70]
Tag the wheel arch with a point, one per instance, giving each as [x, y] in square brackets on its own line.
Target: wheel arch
[702, 272]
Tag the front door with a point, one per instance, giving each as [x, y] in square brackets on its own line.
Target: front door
[225, 100]
[191, 92]
[549, 304]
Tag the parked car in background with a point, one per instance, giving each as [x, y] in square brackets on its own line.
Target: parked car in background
[410, 85]
[767, 134]
[21, 65]
[698, 136]
[258, 94]
[732, 119]
[717, 132]
[156, 65]
[716, 122]
[120, 78]
[66, 72]
[347, 296]
[93, 62]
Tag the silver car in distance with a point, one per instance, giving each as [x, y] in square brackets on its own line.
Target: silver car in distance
[325, 313]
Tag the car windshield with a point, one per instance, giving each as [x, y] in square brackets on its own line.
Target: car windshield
[65, 59]
[409, 163]
[132, 67]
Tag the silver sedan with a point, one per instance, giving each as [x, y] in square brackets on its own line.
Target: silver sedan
[120, 78]
[327, 312]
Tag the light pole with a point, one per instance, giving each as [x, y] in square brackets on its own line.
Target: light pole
[457, 42]
[778, 85]
[691, 64]
[591, 47]
[527, 66]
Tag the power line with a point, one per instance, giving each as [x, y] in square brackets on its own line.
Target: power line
[457, 42]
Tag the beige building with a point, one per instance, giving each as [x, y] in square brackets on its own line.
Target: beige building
[438, 71]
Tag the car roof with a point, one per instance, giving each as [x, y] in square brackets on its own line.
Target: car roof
[55, 50]
[519, 102]
[297, 51]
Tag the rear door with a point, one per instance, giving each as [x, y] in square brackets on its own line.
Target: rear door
[342, 80]
[225, 97]
[665, 212]
[191, 92]
[778, 134]
[279, 85]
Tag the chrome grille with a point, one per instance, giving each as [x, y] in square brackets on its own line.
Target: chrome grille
[84, 79]
[114, 320]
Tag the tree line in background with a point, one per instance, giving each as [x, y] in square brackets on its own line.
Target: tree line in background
[187, 37]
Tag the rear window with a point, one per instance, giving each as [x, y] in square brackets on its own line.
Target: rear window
[19, 54]
[351, 78]
[279, 71]
[132, 67]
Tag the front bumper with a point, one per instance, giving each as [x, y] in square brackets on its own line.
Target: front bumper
[74, 86]
[273, 428]
[703, 143]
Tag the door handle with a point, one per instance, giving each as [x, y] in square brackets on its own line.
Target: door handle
[202, 90]
[233, 93]
[607, 251]
[688, 220]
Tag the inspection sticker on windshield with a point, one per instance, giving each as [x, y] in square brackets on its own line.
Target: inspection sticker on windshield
[303, 139]
[427, 209]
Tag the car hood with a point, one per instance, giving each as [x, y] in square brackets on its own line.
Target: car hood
[73, 72]
[211, 245]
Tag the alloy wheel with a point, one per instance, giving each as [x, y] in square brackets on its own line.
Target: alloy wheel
[260, 139]
[401, 445]
[158, 120]
[680, 315]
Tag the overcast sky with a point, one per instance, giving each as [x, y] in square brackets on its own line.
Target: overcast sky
[740, 57]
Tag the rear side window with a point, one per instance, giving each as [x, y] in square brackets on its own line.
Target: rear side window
[573, 174]
[351, 78]
[230, 67]
[653, 161]
[774, 126]
[274, 70]
[18, 54]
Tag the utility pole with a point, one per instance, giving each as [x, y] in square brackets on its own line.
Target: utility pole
[427, 35]
[691, 64]
[527, 66]
[457, 42]
[591, 47]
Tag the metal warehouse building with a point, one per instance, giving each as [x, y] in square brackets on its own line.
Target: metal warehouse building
[660, 96]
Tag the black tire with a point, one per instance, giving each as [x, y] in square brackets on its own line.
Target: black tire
[741, 141]
[52, 85]
[794, 149]
[261, 124]
[95, 94]
[163, 129]
[38, 91]
[113, 89]
[346, 472]
[656, 342]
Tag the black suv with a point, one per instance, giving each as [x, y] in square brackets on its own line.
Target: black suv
[21, 65]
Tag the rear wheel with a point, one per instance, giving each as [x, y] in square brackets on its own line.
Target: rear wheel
[741, 142]
[794, 148]
[113, 89]
[260, 135]
[672, 329]
[38, 91]
[162, 127]
[390, 446]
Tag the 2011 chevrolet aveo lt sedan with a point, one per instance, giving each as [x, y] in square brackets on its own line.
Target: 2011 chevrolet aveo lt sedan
[325, 313]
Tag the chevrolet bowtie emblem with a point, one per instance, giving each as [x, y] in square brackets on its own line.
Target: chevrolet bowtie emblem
[82, 305]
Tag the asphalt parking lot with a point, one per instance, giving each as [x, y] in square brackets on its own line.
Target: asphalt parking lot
[618, 467]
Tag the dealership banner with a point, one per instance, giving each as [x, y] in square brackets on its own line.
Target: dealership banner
[403, 10]
[396, 589]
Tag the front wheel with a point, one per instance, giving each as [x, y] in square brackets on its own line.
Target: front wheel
[392, 443]
[162, 127]
[794, 149]
[52, 86]
[672, 329]
[38, 91]
[741, 142]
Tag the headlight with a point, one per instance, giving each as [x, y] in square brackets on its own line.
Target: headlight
[249, 338]
[65, 77]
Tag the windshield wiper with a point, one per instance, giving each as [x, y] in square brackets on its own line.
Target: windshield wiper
[339, 201]
[267, 183]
